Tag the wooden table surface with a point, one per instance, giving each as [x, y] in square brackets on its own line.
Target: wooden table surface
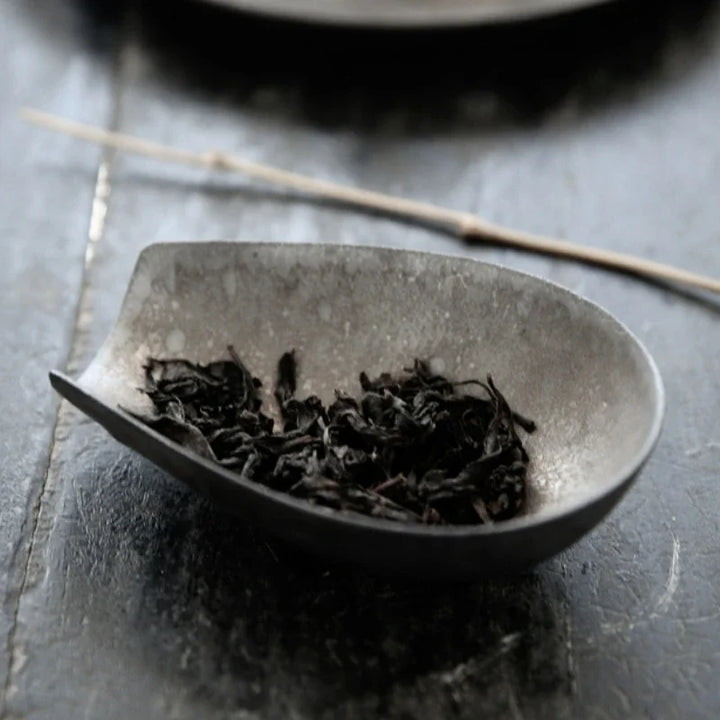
[128, 596]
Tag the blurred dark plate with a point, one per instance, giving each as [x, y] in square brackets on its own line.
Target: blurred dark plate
[407, 13]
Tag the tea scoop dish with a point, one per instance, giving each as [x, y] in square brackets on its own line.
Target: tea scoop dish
[588, 383]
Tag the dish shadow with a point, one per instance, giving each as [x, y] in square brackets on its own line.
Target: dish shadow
[466, 79]
[263, 623]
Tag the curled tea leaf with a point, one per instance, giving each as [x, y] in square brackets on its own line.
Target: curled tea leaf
[412, 448]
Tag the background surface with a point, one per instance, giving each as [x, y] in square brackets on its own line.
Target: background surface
[128, 596]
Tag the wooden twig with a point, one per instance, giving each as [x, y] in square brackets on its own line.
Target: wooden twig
[468, 226]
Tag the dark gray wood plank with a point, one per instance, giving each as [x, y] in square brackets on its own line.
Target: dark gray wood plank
[142, 599]
[51, 56]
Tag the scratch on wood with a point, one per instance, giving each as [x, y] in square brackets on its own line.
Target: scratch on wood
[461, 672]
[514, 706]
[15, 651]
[661, 606]
[99, 210]
[620, 628]
[567, 622]
[569, 650]
[101, 197]
[673, 580]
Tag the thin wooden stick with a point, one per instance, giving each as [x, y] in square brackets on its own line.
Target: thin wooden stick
[466, 225]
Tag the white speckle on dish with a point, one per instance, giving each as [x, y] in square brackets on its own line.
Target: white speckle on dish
[447, 315]
[347, 328]
[324, 311]
[142, 286]
[437, 365]
[170, 281]
[210, 342]
[174, 304]
[175, 341]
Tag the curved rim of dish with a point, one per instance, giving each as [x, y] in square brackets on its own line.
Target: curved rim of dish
[518, 523]
[402, 19]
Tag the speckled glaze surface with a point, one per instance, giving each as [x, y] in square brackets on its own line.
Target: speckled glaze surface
[401, 13]
[588, 383]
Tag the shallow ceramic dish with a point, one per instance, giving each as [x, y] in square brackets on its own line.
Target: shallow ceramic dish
[404, 14]
[593, 390]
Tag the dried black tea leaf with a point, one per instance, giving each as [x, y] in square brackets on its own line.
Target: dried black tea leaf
[411, 448]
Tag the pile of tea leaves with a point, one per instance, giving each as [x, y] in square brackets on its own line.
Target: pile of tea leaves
[413, 447]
